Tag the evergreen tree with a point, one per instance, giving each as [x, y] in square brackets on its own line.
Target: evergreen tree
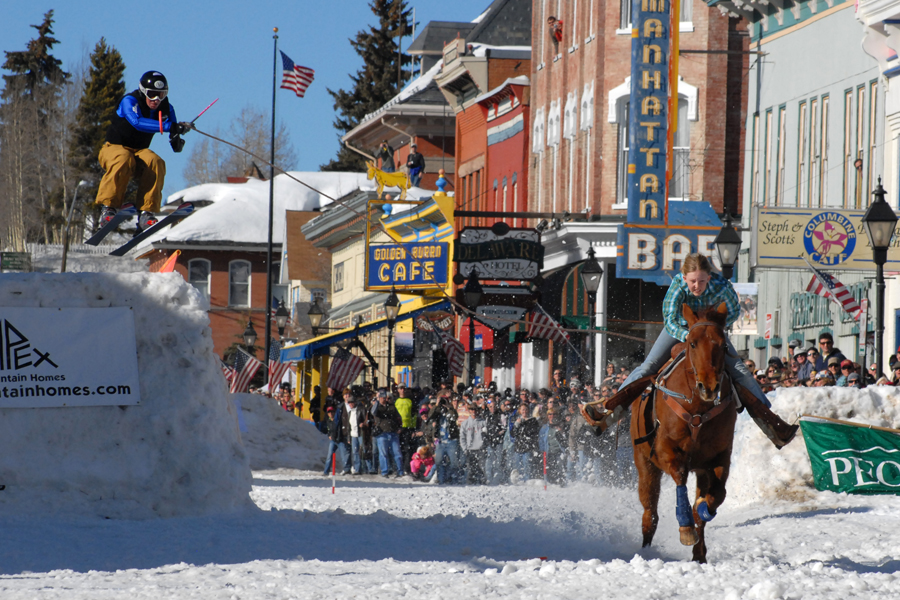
[103, 87]
[377, 81]
[30, 115]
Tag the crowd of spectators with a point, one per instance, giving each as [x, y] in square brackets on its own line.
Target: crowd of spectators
[476, 436]
[821, 366]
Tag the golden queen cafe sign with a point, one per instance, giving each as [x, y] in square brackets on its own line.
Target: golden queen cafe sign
[830, 238]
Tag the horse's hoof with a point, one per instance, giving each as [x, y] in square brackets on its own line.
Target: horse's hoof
[688, 535]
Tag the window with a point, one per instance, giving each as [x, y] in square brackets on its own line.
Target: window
[813, 152]
[754, 156]
[823, 153]
[239, 283]
[622, 153]
[198, 275]
[318, 295]
[779, 181]
[338, 284]
[802, 170]
[873, 98]
[768, 157]
[505, 188]
[679, 187]
[860, 142]
[848, 149]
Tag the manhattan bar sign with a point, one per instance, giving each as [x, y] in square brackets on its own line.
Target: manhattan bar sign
[516, 254]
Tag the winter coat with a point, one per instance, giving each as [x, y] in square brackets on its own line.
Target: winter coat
[424, 463]
[340, 427]
[579, 433]
[472, 434]
[551, 440]
[495, 429]
[404, 406]
[134, 123]
[447, 414]
[315, 406]
[822, 360]
[387, 419]
[805, 371]
[525, 435]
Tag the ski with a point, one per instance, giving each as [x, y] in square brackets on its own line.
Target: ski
[126, 212]
[179, 213]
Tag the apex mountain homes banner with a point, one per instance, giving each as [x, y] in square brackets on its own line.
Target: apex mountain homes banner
[830, 238]
[54, 357]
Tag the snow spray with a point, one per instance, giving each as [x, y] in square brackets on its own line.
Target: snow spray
[545, 471]
[333, 470]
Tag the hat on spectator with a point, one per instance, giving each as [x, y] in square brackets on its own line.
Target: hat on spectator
[574, 383]
[329, 409]
[833, 361]
[846, 363]
[853, 377]
[895, 365]
[812, 349]
[794, 344]
[823, 375]
[776, 362]
[760, 373]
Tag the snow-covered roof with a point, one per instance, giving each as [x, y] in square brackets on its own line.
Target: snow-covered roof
[520, 80]
[239, 213]
[412, 88]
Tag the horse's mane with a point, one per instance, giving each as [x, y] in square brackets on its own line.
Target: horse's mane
[710, 313]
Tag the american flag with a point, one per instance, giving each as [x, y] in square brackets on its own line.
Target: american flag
[541, 325]
[827, 286]
[227, 371]
[295, 78]
[277, 369]
[344, 370]
[245, 367]
[455, 352]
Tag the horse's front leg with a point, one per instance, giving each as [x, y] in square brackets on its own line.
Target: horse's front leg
[683, 511]
[710, 496]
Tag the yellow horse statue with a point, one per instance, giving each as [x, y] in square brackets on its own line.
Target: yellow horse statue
[382, 179]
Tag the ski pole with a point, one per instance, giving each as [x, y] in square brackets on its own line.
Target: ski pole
[333, 470]
[204, 110]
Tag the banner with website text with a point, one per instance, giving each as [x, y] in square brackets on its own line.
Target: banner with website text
[54, 357]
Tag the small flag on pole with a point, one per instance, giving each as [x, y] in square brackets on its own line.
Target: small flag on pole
[295, 78]
[455, 352]
[169, 265]
[277, 369]
[542, 325]
[344, 370]
[827, 286]
[245, 367]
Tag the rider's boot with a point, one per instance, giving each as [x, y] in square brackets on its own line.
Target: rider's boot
[779, 432]
[605, 415]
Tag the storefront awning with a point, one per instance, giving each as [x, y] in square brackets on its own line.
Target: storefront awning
[322, 345]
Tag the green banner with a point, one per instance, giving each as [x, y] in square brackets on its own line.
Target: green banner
[853, 458]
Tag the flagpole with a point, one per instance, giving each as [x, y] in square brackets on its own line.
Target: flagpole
[271, 208]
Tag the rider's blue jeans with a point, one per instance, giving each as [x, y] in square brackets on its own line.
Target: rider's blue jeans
[662, 351]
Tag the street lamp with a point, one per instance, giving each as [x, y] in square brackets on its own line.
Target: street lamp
[591, 274]
[281, 318]
[316, 314]
[472, 293]
[391, 309]
[880, 222]
[62, 268]
[249, 335]
[728, 244]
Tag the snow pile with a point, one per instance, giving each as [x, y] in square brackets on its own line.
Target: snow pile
[277, 439]
[760, 472]
[178, 453]
[85, 259]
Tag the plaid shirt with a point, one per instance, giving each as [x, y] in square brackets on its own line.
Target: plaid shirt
[719, 290]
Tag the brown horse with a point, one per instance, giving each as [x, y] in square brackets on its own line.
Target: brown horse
[687, 424]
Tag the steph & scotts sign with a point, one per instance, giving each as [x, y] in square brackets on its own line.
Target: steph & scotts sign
[55, 357]
[414, 265]
[851, 457]
[832, 239]
[499, 252]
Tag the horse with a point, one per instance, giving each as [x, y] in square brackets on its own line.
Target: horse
[685, 424]
[382, 179]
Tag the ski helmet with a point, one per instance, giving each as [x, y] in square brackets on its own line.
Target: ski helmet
[154, 81]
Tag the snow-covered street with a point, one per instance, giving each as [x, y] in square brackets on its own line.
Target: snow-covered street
[378, 538]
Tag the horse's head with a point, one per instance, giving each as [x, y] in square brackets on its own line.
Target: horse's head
[371, 169]
[706, 347]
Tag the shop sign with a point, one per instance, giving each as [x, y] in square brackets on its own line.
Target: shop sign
[433, 321]
[499, 317]
[656, 253]
[809, 310]
[829, 238]
[500, 253]
[408, 266]
[15, 261]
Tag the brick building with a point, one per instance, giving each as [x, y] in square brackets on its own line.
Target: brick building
[580, 89]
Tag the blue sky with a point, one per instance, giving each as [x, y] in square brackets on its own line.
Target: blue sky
[224, 50]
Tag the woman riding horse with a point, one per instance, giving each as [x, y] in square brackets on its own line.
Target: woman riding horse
[698, 287]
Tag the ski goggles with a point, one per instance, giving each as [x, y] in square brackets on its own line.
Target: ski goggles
[156, 94]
